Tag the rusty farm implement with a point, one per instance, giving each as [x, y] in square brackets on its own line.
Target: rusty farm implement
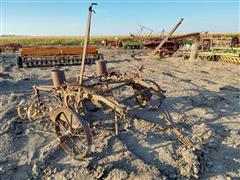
[67, 103]
[55, 56]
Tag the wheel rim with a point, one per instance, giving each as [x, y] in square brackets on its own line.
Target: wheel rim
[22, 109]
[73, 132]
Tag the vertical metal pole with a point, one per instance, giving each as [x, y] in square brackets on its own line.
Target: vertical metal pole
[86, 42]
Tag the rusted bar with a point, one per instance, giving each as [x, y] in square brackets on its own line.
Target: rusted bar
[114, 88]
[166, 38]
[43, 88]
[86, 42]
[132, 96]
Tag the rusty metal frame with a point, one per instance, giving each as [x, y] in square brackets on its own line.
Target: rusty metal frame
[71, 96]
[99, 95]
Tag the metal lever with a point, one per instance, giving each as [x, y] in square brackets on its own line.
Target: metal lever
[87, 36]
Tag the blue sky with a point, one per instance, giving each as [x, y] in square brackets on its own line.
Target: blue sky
[53, 17]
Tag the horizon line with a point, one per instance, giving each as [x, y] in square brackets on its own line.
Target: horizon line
[19, 35]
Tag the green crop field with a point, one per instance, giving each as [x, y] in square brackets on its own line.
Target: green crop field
[54, 40]
[73, 40]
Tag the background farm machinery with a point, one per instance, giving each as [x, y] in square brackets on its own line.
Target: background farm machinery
[112, 43]
[213, 48]
[68, 103]
[218, 47]
[164, 45]
[198, 45]
[12, 47]
[172, 45]
[126, 43]
[133, 42]
[55, 56]
[192, 45]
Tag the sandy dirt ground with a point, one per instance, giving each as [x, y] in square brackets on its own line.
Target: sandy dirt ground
[202, 97]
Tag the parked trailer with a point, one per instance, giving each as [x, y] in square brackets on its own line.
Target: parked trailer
[55, 56]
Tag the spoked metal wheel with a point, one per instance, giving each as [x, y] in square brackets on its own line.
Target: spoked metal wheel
[37, 110]
[73, 132]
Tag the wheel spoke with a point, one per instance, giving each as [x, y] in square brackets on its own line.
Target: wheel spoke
[65, 147]
[79, 150]
[79, 136]
[74, 145]
[66, 119]
[64, 140]
[75, 129]
[80, 140]
[71, 119]
[74, 134]
[34, 114]
[62, 125]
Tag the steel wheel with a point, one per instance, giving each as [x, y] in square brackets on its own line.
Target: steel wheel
[73, 132]
[37, 110]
